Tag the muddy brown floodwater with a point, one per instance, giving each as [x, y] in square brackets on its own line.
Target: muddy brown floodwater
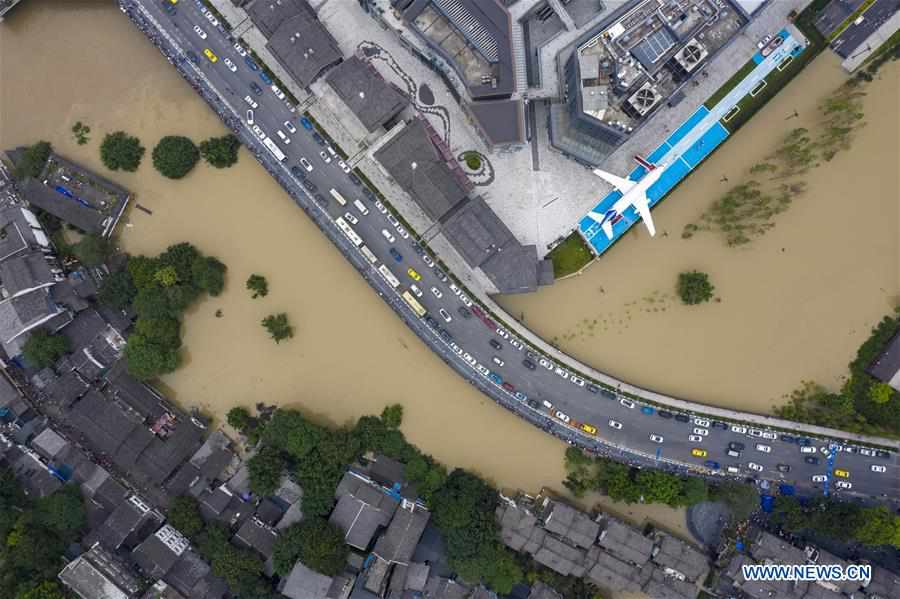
[350, 356]
[795, 304]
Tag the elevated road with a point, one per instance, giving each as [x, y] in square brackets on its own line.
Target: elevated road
[642, 434]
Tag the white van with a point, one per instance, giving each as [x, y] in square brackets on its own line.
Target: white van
[361, 207]
[283, 137]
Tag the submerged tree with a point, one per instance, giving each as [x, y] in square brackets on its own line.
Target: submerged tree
[278, 326]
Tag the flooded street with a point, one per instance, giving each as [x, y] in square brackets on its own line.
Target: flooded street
[795, 304]
[350, 355]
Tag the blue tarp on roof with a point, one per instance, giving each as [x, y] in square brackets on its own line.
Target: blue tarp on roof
[767, 501]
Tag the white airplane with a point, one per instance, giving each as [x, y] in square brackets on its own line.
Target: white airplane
[634, 193]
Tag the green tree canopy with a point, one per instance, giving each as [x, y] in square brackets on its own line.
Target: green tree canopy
[33, 160]
[153, 302]
[208, 274]
[278, 326]
[121, 151]
[392, 415]
[220, 152]
[258, 285]
[48, 589]
[148, 360]
[239, 418]
[316, 543]
[92, 249]
[165, 332]
[117, 290]
[184, 514]
[174, 156]
[694, 287]
[43, 349]
[181, 256]
[143, 270]
[265, 469]
[62, 513]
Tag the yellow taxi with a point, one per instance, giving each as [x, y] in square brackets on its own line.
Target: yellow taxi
[589, 428]
[841, 473]
[698, 453]
[173, 1]
[413, 274]
[209, 54]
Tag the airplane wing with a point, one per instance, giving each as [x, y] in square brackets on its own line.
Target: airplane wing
[643, 208]
[619, 183]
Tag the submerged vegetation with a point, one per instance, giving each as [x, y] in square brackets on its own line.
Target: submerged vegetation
[570, 256]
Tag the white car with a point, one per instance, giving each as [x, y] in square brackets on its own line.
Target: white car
[701, 422]
[561, 372]
[427, 260]
[517, 344]
[402, 233]
[807, 449]
[468, 358]
[290, 126]
[482, 370]
[199, 32]
[259, 132]
[865, 451]
[501, 333]
[496, 359]
[212, 19]
[465, 300]
[656, 438]
[563, 417]
[769, 435]
[842, 484]
[387, 235]
[325, 157]
[415, 291]
[456, 290]
[278, 93]
[577, 381]
[391, 218]
[700, 431]
[546, 363]
[380, 207]
[446, 316]
[878, 468]
[231, 66]
[627, 403]
[755, 467]
[755, 432]
[344, 166]
[695, 438]
[733, 469]
[436, 292]
[741, 430]
[763, 448]
[284, 138]
[456, 349]
[305, 164]
[250, 117]
[614, 424]
[251, 102]
[548, 405]
[240, 50]
[351, 219]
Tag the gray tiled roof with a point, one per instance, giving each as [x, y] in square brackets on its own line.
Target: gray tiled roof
[399, 542]
[48, 443]
[517, 526]
[884, 583]
[304, 47]
[500, 120]
[304, 583]
[561, 557]
[98, 574]
[682, 557]
[373, 100]
[257, 535]
[571, 524]
[661, 586]
[25, 271]
[887, 364]
[624, 541]
[770, 547]
[443, 588]
[611, 573]
[541, 591]
[268, 15]
[360, 516]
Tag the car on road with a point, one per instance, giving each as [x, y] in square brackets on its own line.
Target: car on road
[277, 91]
[699, 453]
[413, 274]
[842, 484]
[788, 439]
[392, 219]
[561, 372]
[562, 416]
[701, 422]
[265, 78]
[482, 369]
[733, 453]
[305, 164]
[733, 469]
[878, 468]
[882, 454]
[501, 333]
[468, 358]
[627, 403]
[509, 386]
[763, 448]
[212, 19]
[436, 292]
[866, 451]
[769, 435]
[533, 404]
[252, 65]
[546, 363]
[695, 438]
[290, 127]
[402, 232]
[783, 468]
[251, 102]
[682, 418]
[298, 172]
[721, 425]
[736, 446]
[306, 123]
[589, 428]
[380, 207]
[615, 424]
[495, 344]
[464, 312]
[240, 50]
[210, 55]
[456, 290]
[755, 432]
[200, 32]
[593, 388]
[700, 431]
[577, 381]
[309, 185]
[656, 438]
[712, 464]
[283, 137]
[193, 57]
[255, 87]
[170, 9]
[415, 291]
[427, 260]
[819, 478]
[446, 316]
[811, 459]
[741, 430]
[321, 200]
[754, 466]
[664, 414]
[258, 131]
[496, 360]
[464, 299]
[396, 255]
[325, 157]
[528, 364]
[841, 473]
[548, 405]
[250, 117]
[344, 166]
[352, 219]
[807, 449]
[387, 235]
[231, 66]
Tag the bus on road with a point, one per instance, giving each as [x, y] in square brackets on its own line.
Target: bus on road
[276, 151]
[414, 304]
[389, 276]
[338, 197]
[348, 231]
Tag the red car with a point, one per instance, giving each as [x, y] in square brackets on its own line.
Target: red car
[477, 311]
[509, 387]
[490, 324]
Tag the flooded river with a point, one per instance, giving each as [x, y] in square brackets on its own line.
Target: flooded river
[350, 356]
[795, 304]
